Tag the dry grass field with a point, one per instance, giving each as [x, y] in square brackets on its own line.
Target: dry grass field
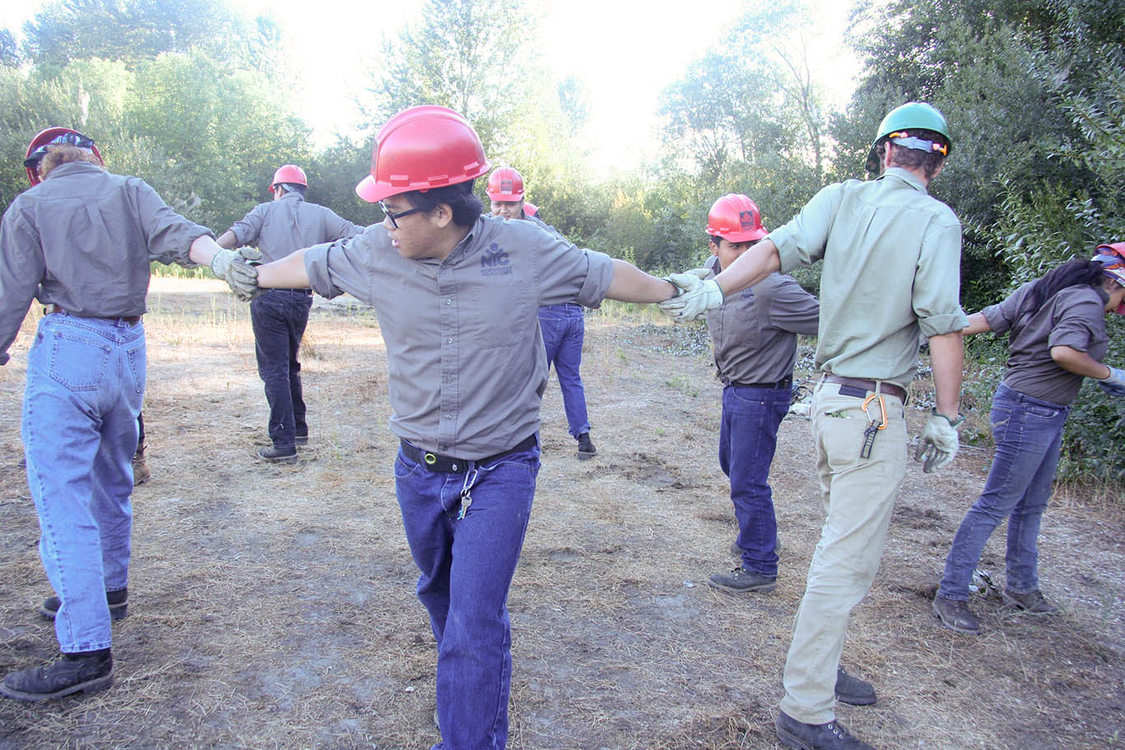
[273, 607]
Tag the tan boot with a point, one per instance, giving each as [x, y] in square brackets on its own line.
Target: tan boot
[141, 474]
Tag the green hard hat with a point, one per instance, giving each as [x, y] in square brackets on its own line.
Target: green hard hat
[909, 116]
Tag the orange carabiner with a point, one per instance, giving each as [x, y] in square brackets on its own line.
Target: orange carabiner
[882, 409]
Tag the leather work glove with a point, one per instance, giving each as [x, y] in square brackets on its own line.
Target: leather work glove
[236, 267]
[939, 442]
[698, 296]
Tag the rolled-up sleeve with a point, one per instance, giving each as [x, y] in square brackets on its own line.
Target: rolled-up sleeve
[247, 229]
[802, 240]
[169, 236]
[344, 265]
[937, 282]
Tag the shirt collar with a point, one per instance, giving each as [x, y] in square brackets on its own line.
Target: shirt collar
[906, 176]
[293, 194]
[72, 167]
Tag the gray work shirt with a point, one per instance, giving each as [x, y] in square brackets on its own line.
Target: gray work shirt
[1074, 317]
[754, 333]
[282, 227]
[464, 350]
[892, 271]
[83, 240]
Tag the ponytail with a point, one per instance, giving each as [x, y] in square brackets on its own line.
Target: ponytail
[1076, 272]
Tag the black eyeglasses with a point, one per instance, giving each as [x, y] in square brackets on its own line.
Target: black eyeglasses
[395, 217]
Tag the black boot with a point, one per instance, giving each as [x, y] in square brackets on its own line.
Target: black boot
[586, 447]
[87, 671]
[118, 602]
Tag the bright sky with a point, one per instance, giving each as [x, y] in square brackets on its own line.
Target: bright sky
[623, 51]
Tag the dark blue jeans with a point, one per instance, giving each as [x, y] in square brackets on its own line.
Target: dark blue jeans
[466, 565]
[564, 327]
[747, 441]
[279, 317]
[85, 382]
[1027, 432]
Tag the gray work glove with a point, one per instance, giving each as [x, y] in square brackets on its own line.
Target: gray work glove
[1114, 385]
[939, 442]
[697, 296]
[236, 267]
[1111, 389]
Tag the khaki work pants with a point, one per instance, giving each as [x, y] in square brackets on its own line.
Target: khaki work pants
[858, 495]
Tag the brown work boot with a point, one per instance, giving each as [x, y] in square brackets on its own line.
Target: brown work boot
[955, 615]
[1033, 602]
[141, 474]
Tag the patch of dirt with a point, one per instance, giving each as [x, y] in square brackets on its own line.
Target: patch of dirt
[273, 606]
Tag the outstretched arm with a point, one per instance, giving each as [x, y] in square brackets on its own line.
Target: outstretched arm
[631, 284]
[287, 273]
[977, 324]
[749, 268]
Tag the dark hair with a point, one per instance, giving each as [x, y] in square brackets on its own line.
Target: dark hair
[292, 187]
[911, 158]
[1076, 272]
[466, 206]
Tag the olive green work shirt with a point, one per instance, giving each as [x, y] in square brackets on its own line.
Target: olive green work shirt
[891, 273]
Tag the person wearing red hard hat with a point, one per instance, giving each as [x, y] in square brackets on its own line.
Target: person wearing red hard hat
[457, 295]
[754, 339]
[1057, 338]
[279, 316]
[890, 275]
[563, 326]
[81, 241]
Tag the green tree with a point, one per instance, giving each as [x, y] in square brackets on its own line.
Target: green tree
[468, 55]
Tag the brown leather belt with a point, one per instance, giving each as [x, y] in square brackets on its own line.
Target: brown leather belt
[448, 464]
[53, 309]
[859, 388]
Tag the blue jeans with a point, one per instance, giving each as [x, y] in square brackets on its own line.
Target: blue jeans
[85, 382]
[1027, 432]
[564, 327]
[466, 569]
[747, 441]
[279, 317]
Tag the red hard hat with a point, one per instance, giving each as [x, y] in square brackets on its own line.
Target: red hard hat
[289, 174]
[505, 184]
[44, 138]
[530, 209]
[422, 148]
[735, 218]
[1112, 258]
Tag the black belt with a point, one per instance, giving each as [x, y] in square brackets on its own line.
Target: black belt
[775, 386]
[450, 465]
[53, 309]
[859, 388]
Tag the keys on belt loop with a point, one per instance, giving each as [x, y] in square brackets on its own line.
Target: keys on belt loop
[876, 424]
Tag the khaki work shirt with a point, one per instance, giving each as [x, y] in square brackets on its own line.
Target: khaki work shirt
[467, 366]
[754, 333]
[282, 227]
[891, 272]
[1074, 317]
[83, 239]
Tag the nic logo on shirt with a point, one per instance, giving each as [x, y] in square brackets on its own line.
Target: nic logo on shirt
[495, 261]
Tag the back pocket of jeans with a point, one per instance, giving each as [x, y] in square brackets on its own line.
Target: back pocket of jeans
[78, 364]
